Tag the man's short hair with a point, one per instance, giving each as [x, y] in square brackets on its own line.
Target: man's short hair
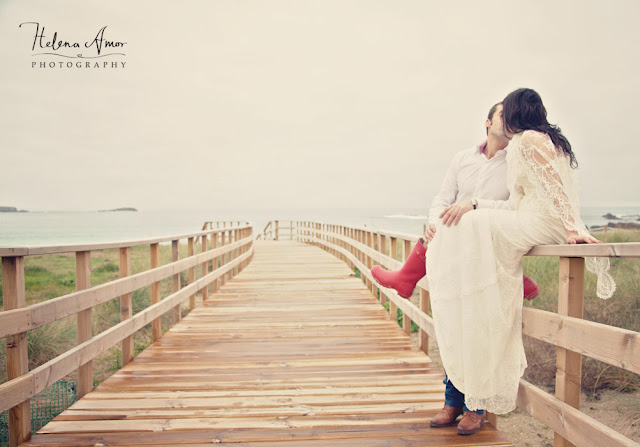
[492, 110]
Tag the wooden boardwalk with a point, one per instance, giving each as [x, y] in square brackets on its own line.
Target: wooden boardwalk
[294, 351]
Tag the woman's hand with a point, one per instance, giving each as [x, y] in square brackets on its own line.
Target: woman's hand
[574, 238]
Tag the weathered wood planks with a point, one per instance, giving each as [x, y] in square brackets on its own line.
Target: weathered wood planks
[294, 351]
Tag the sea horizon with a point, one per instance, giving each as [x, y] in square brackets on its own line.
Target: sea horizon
[47, 227]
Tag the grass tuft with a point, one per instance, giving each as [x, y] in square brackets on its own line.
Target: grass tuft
[622, 310]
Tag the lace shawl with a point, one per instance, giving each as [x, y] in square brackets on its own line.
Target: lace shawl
[554, 185]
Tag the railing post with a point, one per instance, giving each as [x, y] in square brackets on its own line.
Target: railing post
[393, 248]
[358, 238]
[156, 325]
[340, 231]
[406, 321]
[214, 245]
[352, 250]
[230, 254]
[242, 249]
[13, 294]
[205, 289]
[84, 320]
[383, 250]
[424, 307]
[175, 283]
[236, 252]
[569, 363]
[192, 274]
[393, 310]
[126, 309]
[366, 240]
[223, 258]
[277, 230]
[406, 249]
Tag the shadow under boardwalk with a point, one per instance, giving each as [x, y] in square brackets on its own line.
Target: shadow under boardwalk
[294, 351]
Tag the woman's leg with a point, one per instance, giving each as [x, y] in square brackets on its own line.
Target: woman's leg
[405, 279]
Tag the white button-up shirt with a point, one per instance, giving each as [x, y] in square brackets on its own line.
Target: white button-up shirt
[472, 175]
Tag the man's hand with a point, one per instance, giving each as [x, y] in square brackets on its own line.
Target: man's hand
[574, 238]
[453, 213]
[430, 233]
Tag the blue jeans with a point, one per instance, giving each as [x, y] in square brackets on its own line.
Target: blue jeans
[454, 398]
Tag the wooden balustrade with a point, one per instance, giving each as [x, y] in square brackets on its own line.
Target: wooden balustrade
[126, 303]
[17, 318]
[13, 293]
[573, 336]
[291, 232]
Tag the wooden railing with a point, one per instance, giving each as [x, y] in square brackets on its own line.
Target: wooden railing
[267, 233]
[362, 247]
[274, 230]
[225, 251]
[210, 225]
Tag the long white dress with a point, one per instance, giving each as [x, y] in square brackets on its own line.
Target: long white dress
[475, 272]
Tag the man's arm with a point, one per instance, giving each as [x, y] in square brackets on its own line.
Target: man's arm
[453, 213]
[448, 191]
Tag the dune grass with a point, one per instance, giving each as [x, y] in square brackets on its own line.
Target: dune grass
[622, 310]
[51, 276]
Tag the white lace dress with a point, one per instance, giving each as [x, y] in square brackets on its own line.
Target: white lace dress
[475, 273]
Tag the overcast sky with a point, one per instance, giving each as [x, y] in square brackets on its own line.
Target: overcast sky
[301, 103]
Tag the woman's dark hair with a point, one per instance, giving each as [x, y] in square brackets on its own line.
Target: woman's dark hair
[522, 110]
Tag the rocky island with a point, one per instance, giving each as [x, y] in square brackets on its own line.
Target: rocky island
[11, 209]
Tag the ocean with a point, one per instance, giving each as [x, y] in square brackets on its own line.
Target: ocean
[71, 227]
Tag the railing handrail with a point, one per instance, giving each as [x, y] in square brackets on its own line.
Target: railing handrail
[263, 233]
[224, 252]
[607, 249]
[359, 247]
[33, 250]
[44, 375]
[36, 315]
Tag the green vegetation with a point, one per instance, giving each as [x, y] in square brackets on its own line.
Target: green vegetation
[414, 327]
[44, 407]
[52, 276]
[622, 310]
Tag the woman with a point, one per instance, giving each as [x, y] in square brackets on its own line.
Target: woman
[474, 268]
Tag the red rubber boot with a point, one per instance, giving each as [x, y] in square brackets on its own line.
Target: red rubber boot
[531, 289]
[404, 280]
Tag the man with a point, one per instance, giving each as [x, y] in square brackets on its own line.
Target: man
[477, 178]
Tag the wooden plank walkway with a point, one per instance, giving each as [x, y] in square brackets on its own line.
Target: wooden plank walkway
[294, 351]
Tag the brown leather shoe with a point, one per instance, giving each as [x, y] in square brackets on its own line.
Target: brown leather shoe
[447, 417]
[470, 423]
